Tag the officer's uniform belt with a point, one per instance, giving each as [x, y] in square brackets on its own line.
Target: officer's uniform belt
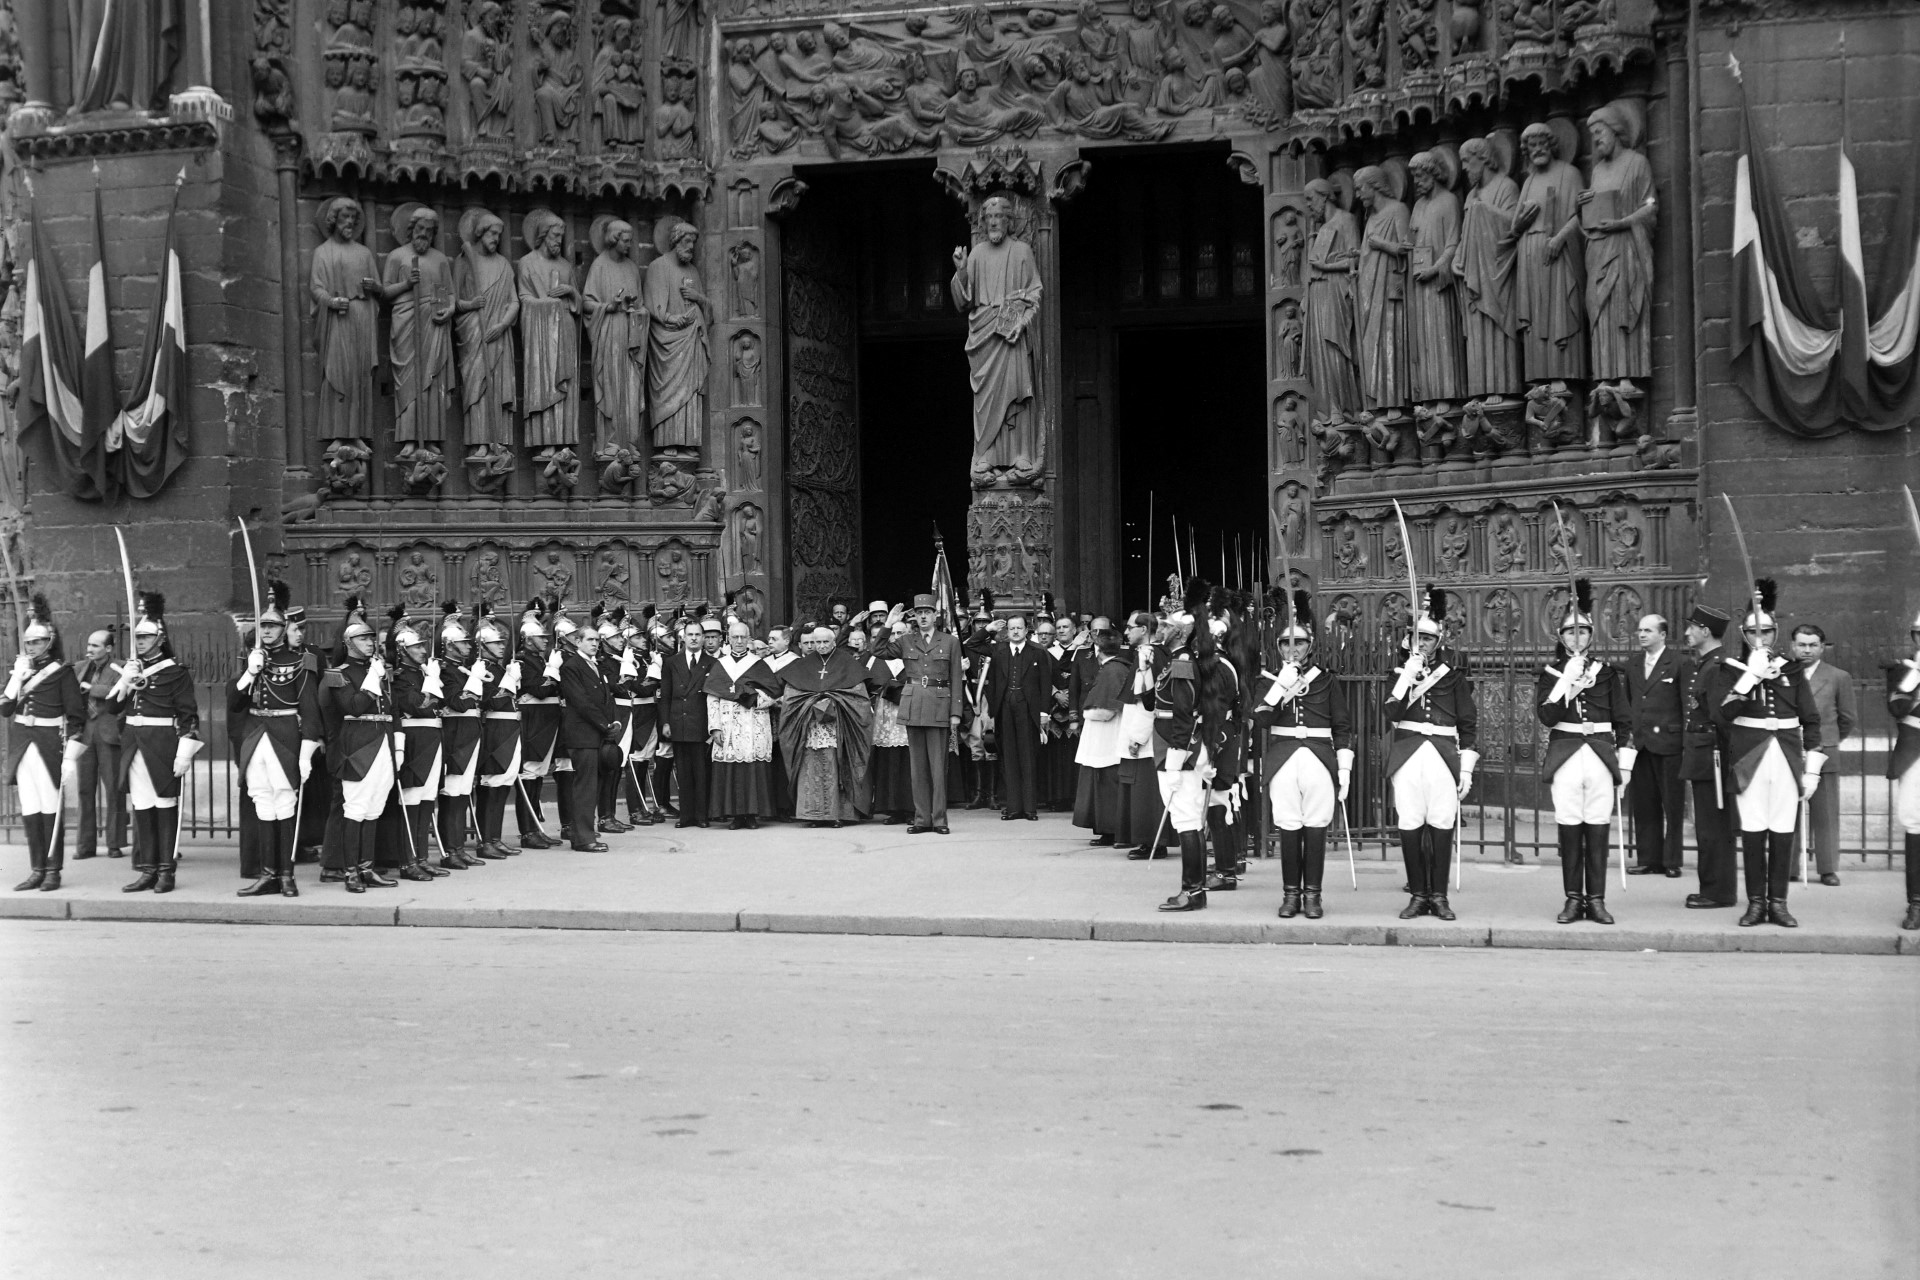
[470, 713]
[503, 715]
[1429, 729]
[140, 722]
[383, 718]
[271, 713]
[1299, 731]
[539, 702]
[1771, 725]
[623, 702]
[54, 722]
[420, 722]
[1580, 729]
[928, 682]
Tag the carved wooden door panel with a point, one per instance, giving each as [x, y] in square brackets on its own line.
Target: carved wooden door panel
[823, 432]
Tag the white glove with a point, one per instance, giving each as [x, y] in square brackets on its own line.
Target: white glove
[1409, 675]
[399, 750]
[476, 680]
[1627, 757]
[22, 666]
[510, 678]
[1910, 681]
[653, 667]
[430, 684]
[70, 755]
[256, 659]
[376, 673]
[1176, 760]
[552, 671]
[183, 753]
[128, 674]
[629, 666]
[308, 746]
[1810, 776]
[1468, 760]
[13, 688]
[1345, 758]
[1466, 782]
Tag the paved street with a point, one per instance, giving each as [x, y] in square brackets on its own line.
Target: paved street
[213, 1101]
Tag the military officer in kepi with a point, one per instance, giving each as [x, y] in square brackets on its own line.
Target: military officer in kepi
[1766, 710]
[1302, 714]
[1583, 703]
[275, 700]
[1431, 757]
[1903, 701]
[357, 706]
[49, 713]
[162, 736]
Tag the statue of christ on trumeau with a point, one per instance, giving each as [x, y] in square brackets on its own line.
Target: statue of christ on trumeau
[997, 284]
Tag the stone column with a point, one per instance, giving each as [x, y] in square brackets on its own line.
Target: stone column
[295, 418]
[33, 21]
[1283, 177]
[1683, 420]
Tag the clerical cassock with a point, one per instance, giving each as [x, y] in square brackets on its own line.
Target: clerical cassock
[826, 734]
[741, 693]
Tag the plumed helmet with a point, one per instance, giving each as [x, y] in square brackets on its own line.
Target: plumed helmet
[1300, 622]
[153, 615]
[1580, 608]
[487, 628]
[355, 622]
[279, 595]
[40, 624]
[1760, 617]
[402, 630]
[533, 620]
[1433, 613]
[453, 625]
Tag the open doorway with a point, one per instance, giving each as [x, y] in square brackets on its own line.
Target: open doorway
[916, 444]
[1188, 420]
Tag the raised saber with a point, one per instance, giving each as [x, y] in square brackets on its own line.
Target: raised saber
[1913, 511]
[1746, 561]
[20, 606]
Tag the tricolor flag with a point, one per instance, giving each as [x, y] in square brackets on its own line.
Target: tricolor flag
[153, 427]
[1886, 385]
[50, 356]
[943, 598]
[99, 400]
[1783, 343]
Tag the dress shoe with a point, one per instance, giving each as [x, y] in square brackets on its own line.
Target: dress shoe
[1574, 910]
[1673, 873]
[504, 850]
[669, 810]
[942, 831]
[1186, 900]
[751, 823]
[639, 819]
[116, 853]
[1438, 906]
[1756, 913]
[352, 883]
[1778, 913]
[1913, 915]
[1701, 902]
[613, 826]
[452, 865]
[147, 880]
[330, 876]
[164, 882]
[917, 830]
[535, 840]
[893, 820]
[1597, 911]
[1310, 904]
[1033, 817]
[433, 872]
[1223, 883]
[1008, 815]
[1139, 853]
[416, 872]
[33, 882]
[598, 846]
[566, 834]
[289, 887]
[373, 878]
[1102, 842]
[265, 885]
[1643, 871]
[486, 854]
[78, 855]
[50, 881]
[1830, 880]
[1416, 906]
[1289, 904]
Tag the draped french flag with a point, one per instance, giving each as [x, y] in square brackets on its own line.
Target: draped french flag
[943, 597]
[99, 400]
[1883, 375]
[152, 430]
[50, 360]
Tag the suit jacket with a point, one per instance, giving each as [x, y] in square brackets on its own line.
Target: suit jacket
[1657, 700]
[103, 722]
[1833, 699]
[931, 681]
[1030, 672]
[683, 696]
[586, 705]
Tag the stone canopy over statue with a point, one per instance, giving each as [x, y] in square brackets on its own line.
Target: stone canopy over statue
[997, 285]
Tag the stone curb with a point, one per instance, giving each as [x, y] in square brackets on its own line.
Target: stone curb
[1200, 929]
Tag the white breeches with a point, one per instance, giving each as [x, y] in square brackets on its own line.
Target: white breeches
[431, 788]
[1771, 801]
[1302, 792]
[140, 786]
[366, 800]
[39, 790]
[1184, 793]
[1583, 790]
[273, 796]
[536, 768]
[461, 784]
[504, 779]
[1424, 792]
[1906, 800]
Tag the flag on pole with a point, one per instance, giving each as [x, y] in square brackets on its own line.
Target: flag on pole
[153, 427]
[943, 598]
[50, 357]
[100, 403]
[1888, 387]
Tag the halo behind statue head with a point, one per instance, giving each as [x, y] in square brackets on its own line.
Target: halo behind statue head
[1396, 170]
[1342, 180]
[1505, 147]
[597, 231]
[533, 227]
[402, 220]
[1446, 165]
[323, 215]
[1624, 117]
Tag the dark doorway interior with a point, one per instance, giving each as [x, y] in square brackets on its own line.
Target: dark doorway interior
[1189, 405]
[916, 443]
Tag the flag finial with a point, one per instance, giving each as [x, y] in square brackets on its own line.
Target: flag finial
[180, 179]
[1733, 65]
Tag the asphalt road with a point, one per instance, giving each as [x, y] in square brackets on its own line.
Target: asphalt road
[214, 1101]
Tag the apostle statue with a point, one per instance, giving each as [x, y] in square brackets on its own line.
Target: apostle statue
[677, 356]
[1433, 310]
[1549, 274]
[1331, 258]
[549, 334]
[997, 285]
[484, 319]
[419, 286]
[1380, 292]
[1617, 213]
[346, 292]
[617, 323]
[1484, 266]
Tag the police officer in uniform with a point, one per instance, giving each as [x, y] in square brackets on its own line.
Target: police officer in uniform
[1765, 709]
[932, 675]
[1903, 703]
[155, 693]
[49, 714]
[462, 681]
[1583, 702]
[498, 689]
[1301, 712]
[417, 688]
[275, 702]
[357, 707]
[1701, 753]
[1430, 759]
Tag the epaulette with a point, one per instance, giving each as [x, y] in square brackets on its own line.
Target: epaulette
[310, 661]
[335, 678]
[1180, 668]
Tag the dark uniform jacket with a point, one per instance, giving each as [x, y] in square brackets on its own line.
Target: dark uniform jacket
[619, 687]
[539, 702]
[55, 696]
[499, 720]
[1443, 697]
[1784, 701]
[1658, 710]
[1603, 705]
[358, 723]
[683, 696]
[167, 699]
[279, 708]
[586, 705]
[1320, 708]
[1699, 733]
[1177, 721]
[461, 726]
[417, 719]
[1905, 710]
[932, 681]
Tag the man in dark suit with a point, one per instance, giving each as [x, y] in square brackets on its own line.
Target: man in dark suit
[683, 721]
[101, 760]
[588, 731]
[1656, 682]
[930, 684]
[1701, 760]
[1019, 684]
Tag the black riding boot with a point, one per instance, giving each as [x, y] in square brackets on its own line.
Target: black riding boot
[1779, 875]
[1439, 862]
[166, 824]
[1290, 872]
[1313, 866]
[1596, 872]
[36, 852]
[1415, 858]
[1193, 875]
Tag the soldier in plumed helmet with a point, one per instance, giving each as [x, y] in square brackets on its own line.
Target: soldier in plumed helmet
[357, 707]
[274, 703]
[155, 693]
[1431, 757]
[49, 716]
[499, 764]
[1763, 705]
[1301, 713]
[1903, 702]
[1583, 703]
[417, 688]
[463, 680]
[539, 704]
